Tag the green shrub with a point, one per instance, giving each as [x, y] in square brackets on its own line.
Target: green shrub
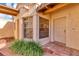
[26, 48]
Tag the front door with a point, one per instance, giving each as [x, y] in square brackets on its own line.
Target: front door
[60, 29]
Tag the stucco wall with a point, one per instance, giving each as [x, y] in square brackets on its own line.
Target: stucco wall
[71, 12]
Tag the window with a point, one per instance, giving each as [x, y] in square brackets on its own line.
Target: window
[43, 27]
[28, 27]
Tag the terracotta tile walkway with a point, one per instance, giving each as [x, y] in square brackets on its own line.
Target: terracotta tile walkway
[4, 51]
[60, 50]
[7, 52]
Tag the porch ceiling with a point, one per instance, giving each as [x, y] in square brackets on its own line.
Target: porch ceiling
[48, 8]
[56, 7]
[45, 6]
[8, 10]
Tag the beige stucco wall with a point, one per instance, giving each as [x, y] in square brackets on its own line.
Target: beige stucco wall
[71, 12]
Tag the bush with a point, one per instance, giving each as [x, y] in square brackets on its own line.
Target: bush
[26, 48]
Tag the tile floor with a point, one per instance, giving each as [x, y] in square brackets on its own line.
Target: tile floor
[60, 50]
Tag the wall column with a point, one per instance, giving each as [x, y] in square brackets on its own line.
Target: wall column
[21, 29]
[51, 29]
[35, 27]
